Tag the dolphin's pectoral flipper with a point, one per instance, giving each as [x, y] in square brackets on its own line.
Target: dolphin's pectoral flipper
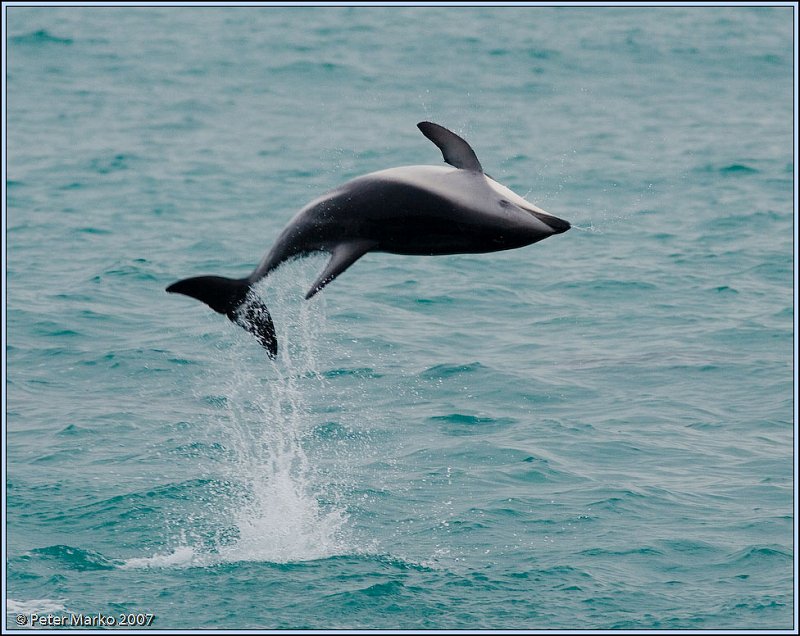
[455, 150]
[342, 257]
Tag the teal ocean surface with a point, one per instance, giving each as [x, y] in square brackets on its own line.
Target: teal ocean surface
[593, 432]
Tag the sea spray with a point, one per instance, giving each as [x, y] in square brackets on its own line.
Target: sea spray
[268, 504]
[278, 515]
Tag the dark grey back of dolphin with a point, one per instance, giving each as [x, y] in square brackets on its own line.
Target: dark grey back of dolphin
[425, 210]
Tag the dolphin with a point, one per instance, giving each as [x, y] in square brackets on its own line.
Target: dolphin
[416, 210]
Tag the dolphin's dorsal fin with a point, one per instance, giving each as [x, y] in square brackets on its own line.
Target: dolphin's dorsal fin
[455, 150]
[343, 256]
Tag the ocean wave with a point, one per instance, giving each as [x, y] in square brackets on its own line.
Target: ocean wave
[74, 558]
[40, 37]
[35, 606]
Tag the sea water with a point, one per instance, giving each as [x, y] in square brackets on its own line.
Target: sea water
[593, 432]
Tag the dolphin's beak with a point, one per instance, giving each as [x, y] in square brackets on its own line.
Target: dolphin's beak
[553, 222]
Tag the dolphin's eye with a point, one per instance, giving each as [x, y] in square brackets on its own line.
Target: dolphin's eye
[505, 203]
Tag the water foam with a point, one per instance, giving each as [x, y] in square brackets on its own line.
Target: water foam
[274, 511]
[35, 606]
[280, 518]
[182, 556]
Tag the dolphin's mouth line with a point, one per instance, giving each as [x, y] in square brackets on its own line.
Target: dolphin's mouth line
[557, 225]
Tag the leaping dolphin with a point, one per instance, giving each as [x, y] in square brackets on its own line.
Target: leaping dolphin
[422, 210]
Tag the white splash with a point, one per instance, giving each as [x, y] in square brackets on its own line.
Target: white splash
[35, 606]
[276, 513]
[181, 557]
[281, 518]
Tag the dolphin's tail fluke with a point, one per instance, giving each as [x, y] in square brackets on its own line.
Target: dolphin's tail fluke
[232, 297]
